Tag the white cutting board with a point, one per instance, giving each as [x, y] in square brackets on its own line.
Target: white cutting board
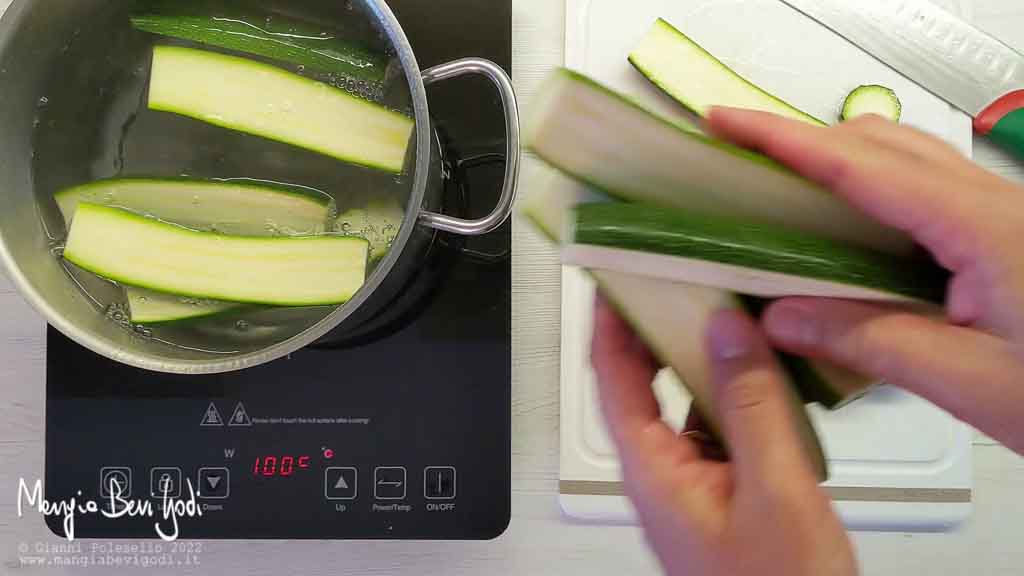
[896, 461]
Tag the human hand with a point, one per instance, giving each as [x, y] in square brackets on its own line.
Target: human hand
[764, 513]
[970, 220]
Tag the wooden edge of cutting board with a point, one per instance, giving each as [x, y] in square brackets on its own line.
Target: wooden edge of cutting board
[838, 494]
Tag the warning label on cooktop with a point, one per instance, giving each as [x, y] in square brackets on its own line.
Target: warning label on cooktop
[241, 417]
[342, 420]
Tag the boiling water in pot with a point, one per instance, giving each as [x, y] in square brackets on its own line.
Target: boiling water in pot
[92, 123]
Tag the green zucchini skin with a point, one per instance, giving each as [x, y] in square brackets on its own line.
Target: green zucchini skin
[683, 69]
[324, 53]
[146, 253]
[614, 145]
[733, 241]
[251, 97]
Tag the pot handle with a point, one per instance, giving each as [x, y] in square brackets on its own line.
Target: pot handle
[503, 210]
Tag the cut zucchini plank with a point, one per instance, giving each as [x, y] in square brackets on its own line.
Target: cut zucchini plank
[872, 99]
[258, 99]
[696, 79]
[237, 209]
[282, 40]
[671, 318]
[149, 307]
[611, 143]
[378, 223]
[137, 251]
[746, 258]
[551, 209]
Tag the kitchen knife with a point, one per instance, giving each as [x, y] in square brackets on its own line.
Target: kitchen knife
[970, 69]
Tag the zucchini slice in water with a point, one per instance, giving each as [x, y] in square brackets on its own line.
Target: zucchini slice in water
[873, 99]
[148, 307]
[613, 144]
[238, 208]
[251, 97]
[696, 79]
[746, 258]
[672, 318]
[283, 40]
[137, 251]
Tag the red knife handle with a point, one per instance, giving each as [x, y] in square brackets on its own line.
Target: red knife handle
[1003, 122]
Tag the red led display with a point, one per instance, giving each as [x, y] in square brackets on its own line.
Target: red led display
[279, 466]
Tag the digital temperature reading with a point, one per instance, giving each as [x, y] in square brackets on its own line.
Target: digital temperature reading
[279, 466]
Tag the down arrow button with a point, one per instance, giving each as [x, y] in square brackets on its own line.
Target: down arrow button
[214, 483]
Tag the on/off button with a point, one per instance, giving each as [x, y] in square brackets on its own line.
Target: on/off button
[439, 483]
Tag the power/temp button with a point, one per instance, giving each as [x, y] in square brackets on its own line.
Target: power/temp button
[389, 483]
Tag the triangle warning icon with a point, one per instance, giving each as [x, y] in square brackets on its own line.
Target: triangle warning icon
[212, 417]
[240, 417]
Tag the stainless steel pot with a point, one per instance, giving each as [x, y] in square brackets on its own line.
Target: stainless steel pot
[33, 34]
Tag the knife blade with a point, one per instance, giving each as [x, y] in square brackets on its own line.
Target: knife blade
[954, 60]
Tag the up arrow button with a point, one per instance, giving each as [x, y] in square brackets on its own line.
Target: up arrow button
[341, 483]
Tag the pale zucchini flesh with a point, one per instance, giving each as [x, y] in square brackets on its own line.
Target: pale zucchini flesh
[149, 307]
[237, 208]
[691, 75]
[873, 99]
[672, 318]
[146, 253]
[255, 98]
[745, 257]
[616, 146]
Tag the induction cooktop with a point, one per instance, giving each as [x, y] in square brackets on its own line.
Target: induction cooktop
[399, 432]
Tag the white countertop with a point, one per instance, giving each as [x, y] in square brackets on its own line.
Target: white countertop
[538, 541]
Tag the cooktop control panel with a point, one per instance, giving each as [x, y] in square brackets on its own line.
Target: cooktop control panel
[264, 461]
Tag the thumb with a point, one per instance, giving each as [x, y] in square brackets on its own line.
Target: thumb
[969, 373]
[756, 406]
